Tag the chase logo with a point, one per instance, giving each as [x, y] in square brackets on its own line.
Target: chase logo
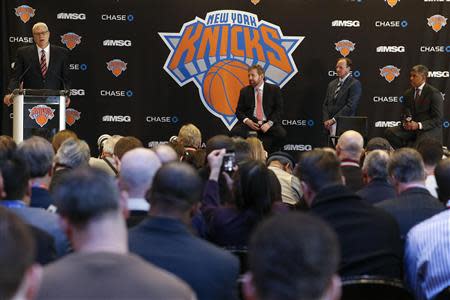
[71, 40]
[25, 12]
[389, 73]
[215, 53]
[392, 3]
[345, 47]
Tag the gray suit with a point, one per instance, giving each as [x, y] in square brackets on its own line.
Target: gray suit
[347, 100]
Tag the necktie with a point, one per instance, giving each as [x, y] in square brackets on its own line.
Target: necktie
[259, 108]
[338, 88]
[416, 94]
[43, 63]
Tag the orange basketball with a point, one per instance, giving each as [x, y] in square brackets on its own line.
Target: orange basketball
[222, 84]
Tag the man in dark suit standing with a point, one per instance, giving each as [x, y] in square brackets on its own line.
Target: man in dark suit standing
[39, 66]
[342, 98]
[259, 109]
[422, 112]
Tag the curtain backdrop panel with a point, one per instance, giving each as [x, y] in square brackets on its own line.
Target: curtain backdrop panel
[144, 68]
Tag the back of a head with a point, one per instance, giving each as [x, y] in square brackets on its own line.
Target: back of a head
[61, 136]
[110, 143]
[282, 157]
[190, 136]
[406, 165]
[17, 253]
[126, 144]
[73, 153]
[350, 145]
[219, 142]
[176, 187]
[38, 153]
[242, 149]
[319, 168]
[138, 167]
[376, 164]
[442, 173]
[7, 147]
[195, 158]
[431, 151]
[378, 143]
[257, 149]
[252, 187]
[85, 194]
[166, 153]
[293, 256]
[16, 175]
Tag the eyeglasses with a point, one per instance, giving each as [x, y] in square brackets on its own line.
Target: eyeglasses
[40, 33]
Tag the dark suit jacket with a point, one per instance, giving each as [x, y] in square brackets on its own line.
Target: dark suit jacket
[346, 101]
[353, 177]
[27, 68]
[369, 237]
[412, 207]
[428, 110]
[45, 246]
[40, 197]
[376, 191]
[210, 271]
[272, 103]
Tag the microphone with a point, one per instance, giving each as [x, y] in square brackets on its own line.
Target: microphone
[22, 75]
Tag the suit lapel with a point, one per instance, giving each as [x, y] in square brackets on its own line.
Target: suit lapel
[343, 87]
[35, 59]
[51, 57]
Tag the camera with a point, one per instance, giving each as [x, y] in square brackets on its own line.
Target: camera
[229, 162]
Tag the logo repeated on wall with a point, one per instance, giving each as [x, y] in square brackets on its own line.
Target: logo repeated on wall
[389, 73]
[436, 22]
[392, 3]
[116, 66]
[41, 114]
[71, 40]
[215, 53]
[25, 12]
[72, 116]
[345, 47]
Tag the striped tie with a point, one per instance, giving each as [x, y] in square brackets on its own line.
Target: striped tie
[43, 63]
[338, 88]
[259, 107]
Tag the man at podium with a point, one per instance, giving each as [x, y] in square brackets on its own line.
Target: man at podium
[40, 66]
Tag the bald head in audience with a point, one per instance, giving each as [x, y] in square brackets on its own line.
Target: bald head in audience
[350, 145]
[166, 153]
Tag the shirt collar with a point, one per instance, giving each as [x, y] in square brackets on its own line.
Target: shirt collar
[421, 86]
[261, 88]
[46, 49]
[345, 78]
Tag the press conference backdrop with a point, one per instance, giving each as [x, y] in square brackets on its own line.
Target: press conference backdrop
[144, 68]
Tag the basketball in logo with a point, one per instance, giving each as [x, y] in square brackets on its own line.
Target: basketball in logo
[222, 84]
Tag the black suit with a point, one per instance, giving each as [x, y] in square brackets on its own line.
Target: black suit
[411, 207]
[427, 109]
[272, 102]
[210, 271]
[347, 99]
[369, 237]
[27, 69]
[376, 191]
[353, 177]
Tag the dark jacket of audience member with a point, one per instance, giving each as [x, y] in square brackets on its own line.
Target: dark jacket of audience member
[212, 272]
[369, 237]
[349, 149]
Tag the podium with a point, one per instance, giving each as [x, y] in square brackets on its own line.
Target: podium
[38, 112]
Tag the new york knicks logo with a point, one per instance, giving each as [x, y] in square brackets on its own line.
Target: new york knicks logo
[72, 116]
[436, 22]
[71, 40]
[392, 3]
[390, 73]
[215, 53]
[345, 47]
[25, 12]
[41, 114]
[116, 66]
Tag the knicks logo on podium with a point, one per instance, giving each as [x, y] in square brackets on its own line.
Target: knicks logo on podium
[215, 54]
[41, 114]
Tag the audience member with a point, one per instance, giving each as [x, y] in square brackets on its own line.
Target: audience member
[242, 150]
[349, 149]
[20, 277]
[7, 147]
[369, 237]
[257, 149]
[414, 203]
[375, 174]
[138, 167]
[107, 155]
[231, 224]
[378, 143]
[195, 158]
[190, 137]
[283, 164]
[431, 151]
[427, 263]
[165, 153]
[174, 196]
[61, 136]
[38, 154]
[303, 266]
[101, 267]
[126, 144]
[16, 176]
